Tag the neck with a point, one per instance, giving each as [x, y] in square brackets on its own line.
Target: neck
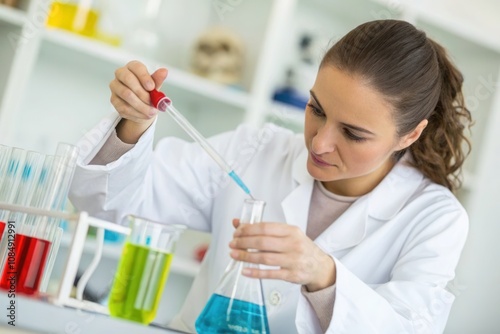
[361, 185]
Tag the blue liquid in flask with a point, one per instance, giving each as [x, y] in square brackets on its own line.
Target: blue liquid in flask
[243, 317]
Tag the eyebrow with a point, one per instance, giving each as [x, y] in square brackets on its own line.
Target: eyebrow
[347, 125]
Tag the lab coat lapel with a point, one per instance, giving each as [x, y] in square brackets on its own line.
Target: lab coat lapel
[296, 205]
[389, 197]
[282, 296]
[348, 230]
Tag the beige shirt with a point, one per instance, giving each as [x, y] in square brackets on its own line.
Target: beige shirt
[324, 209]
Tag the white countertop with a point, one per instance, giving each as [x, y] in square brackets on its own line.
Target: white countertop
[39, 316]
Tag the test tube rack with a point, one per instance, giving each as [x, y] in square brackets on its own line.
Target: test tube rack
[82, 221]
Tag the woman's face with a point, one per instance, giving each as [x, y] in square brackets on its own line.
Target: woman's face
[349, 133]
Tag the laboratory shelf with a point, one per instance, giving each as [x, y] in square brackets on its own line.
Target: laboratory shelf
[286, 115]
[181, 264]
[176, 77]
[13, 15]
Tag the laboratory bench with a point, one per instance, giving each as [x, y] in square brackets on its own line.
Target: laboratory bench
[38, 315]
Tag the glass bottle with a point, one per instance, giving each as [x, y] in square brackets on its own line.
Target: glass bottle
[78, 16]
[237, 305]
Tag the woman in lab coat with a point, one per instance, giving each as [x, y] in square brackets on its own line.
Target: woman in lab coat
[362, 233]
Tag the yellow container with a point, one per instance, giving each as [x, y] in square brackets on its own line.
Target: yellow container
[75, 17]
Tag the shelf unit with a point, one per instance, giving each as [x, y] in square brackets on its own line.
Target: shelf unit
[13, 16]
[176, 77]
[56, 77]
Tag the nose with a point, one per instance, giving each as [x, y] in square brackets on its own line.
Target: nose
[325, 140]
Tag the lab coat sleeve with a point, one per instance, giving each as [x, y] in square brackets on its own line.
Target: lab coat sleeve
[322, 303]
[105, 191]
[415, 300]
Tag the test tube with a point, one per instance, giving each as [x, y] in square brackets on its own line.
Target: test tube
[69, 153]
[63, 169]
[11, 178]
[28, 178]
[51, 258]
[4, 160]
[62, 175]
[27, 183]
[21, 194]
[47, 188]
[42, 184]
[8, 191]
[11, 175]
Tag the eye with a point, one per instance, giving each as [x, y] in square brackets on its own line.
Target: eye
[316, 111]
[348, 133]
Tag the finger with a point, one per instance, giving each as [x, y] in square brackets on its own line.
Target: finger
[142, 73]
[289, 270]
[129, 80]
[131, 99]
[267, 258]
[271, 229]
[236, 222]
[127, 111]
[264, 243]
[265, 273]
[159, 76]
[280, 274]
[282, 259]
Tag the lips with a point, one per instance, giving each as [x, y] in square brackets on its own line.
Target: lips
[319, 162]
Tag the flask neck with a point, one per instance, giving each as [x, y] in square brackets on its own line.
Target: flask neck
[252, 211]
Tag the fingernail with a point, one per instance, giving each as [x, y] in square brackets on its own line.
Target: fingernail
[150, 85]
[152, 112]
[246, 271]
[233, 254]
[232, 244]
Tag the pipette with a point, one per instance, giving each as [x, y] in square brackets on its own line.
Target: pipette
[161, 102]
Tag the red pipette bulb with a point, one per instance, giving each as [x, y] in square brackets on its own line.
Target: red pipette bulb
[159, 100]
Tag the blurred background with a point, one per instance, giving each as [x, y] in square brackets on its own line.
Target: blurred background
[234, 61]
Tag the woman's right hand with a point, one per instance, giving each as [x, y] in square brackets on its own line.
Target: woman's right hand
[130, 96]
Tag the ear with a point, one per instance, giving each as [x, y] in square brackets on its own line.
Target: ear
[411, 137]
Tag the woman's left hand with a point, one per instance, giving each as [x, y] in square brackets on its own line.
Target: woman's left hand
[299, 259]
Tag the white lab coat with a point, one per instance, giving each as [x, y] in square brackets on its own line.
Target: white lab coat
[395, 248]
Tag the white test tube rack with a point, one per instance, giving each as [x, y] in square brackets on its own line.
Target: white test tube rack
[82, 223]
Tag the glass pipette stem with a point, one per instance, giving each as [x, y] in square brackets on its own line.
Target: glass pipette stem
[190, 130]
[163, 103]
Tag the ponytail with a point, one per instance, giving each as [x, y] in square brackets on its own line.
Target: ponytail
[443, 146]
[417, 78]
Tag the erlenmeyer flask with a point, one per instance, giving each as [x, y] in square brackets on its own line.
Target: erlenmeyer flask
[237, 305]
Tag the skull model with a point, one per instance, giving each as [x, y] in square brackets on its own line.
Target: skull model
[218, 56]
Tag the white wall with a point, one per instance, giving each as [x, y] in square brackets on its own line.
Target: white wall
[477, 307]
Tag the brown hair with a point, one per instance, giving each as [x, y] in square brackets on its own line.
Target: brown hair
[417, 78]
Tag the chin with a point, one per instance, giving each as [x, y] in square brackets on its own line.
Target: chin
[319, 173]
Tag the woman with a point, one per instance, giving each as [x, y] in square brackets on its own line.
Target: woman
[362, 231]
